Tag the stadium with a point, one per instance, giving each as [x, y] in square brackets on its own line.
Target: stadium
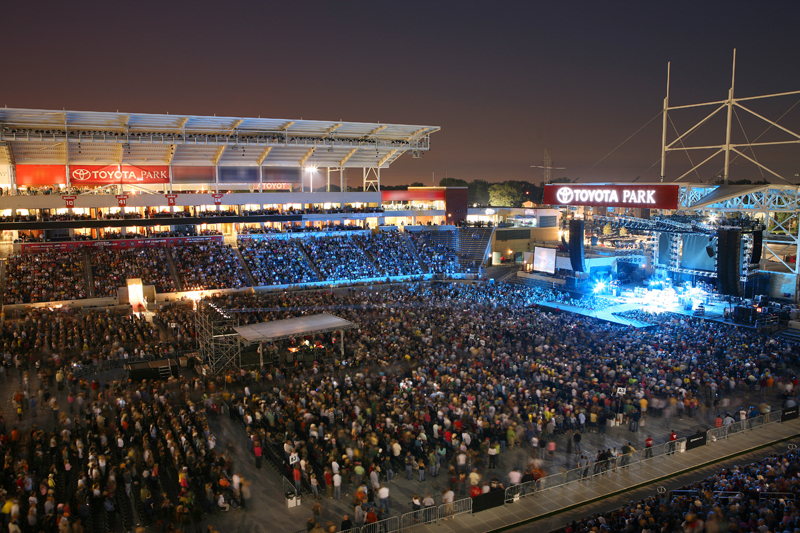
[216, 321]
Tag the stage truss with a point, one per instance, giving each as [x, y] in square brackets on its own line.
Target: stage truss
[219, 344]
[647, 250]
[775, 205]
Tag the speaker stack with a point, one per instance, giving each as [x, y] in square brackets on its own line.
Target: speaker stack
[758, 244]
[729, 258]
[576, 253]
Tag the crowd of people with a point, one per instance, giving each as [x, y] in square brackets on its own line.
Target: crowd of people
[44, 277]
[77, 339]
[313, 210]
[391, 253]
[438, 378]
[111, 269]
[276, 261]
[757, 497]
[436, 251]
[339, 258]
[209, 265]
[117, 454]
[444, 377]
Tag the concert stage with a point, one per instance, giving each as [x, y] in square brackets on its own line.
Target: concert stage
[651, 301]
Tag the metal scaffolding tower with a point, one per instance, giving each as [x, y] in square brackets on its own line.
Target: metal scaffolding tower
[220, 345]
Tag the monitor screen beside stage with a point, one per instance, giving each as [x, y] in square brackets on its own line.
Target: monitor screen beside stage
[695, 255]
[544, 259]
[664, 242]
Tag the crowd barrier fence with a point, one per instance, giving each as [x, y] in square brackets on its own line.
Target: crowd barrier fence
[434, 515]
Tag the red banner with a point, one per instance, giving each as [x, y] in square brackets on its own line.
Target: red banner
[117, 244]
[649, 196]
[41, 174]
[69, 200]
[217, 196]
[171, 198]
[426, 194]
[110, 174]
[122, 199]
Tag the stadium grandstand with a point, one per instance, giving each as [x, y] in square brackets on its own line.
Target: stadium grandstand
[411, 380]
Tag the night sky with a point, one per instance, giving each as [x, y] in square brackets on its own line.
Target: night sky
[503, 80]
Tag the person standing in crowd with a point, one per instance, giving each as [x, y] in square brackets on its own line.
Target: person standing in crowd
[673, 440]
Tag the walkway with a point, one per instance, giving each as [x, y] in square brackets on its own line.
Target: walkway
[271, 514]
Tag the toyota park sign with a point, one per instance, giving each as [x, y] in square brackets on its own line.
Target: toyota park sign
[110, 174]
[651, 196]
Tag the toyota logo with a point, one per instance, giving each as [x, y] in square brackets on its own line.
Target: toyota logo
[81, 174]
[564, 195]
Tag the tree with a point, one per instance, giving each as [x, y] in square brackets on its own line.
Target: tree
[417, 184]
[452, 182]
[505, 194]
[479, 192]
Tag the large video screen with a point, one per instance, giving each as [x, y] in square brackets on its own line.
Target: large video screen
[696, 254]
[544, 259]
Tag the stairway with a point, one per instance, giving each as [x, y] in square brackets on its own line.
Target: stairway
[792, 333]
[369, 256]
[299, 244]
[172, 270]
[165, 372]
[245, 266]
[88, 278]
[413, 250]
[473, 244]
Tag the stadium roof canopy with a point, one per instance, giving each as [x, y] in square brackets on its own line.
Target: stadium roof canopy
[293, 327]
[41, 137]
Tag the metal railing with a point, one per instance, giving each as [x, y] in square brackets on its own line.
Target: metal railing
[388, 525]
[420, 517]
[724, 432]
[776, 496]
[434, 515]
[448, 510]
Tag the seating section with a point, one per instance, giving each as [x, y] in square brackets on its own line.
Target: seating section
[390, 253]
[437, 250]
[44, 277]
[339, 258]
[110, 269]
[276, 262]
[472, 246]
[52, 276]
[209, 266]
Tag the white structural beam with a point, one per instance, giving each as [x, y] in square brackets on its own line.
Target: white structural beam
[334, 128]
[218, 154]
[376, 131]
[263, 155]
[235, 125]
[764, 167]
[418, 133]
[386, 158]
[305, 157]
[171, 154]
[350, 154]
[703, 162]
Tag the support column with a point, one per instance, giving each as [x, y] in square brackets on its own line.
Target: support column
[12, 181]
[372, 179]
[341, 333]
[664, 131]
[730, 116]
